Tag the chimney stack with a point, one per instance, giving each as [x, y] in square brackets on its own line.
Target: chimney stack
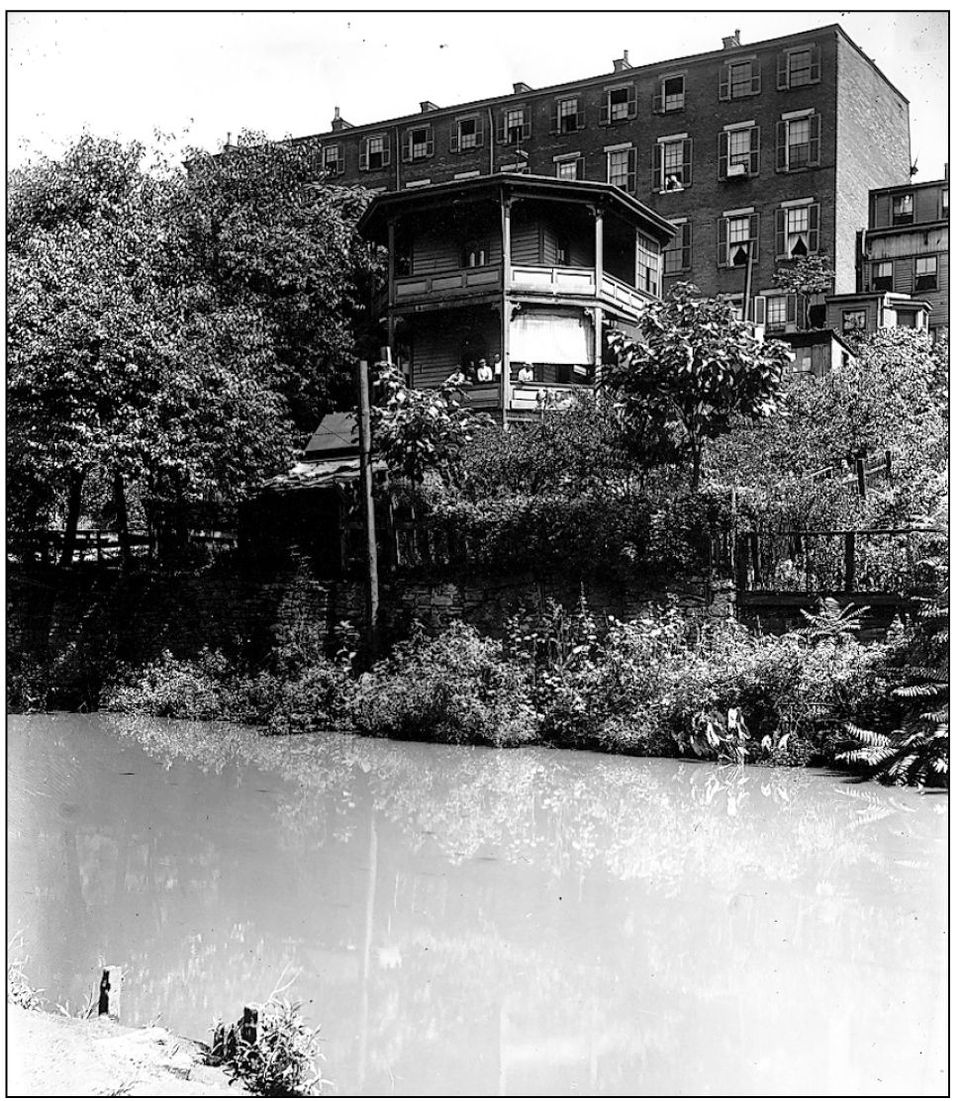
[520, 86]
[621, 63]
[427, 105]
[337, 123]
[732, 41]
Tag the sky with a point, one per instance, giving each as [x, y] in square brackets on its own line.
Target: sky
[200, 76]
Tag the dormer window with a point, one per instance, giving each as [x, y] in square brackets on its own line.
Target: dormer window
[671, 97]
[903, 209]
[374, 154]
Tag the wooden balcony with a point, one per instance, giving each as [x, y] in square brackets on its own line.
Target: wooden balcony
[530, 397]
[536, 279]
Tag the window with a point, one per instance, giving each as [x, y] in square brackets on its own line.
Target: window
[332, 160]
[903, 210]
[375, 153]
[568, 116]
[647, 276]
[671, 97]
[882, 276]
[418, 143]
[798, 142]
[853, 321]
[803, 361]
[619, 104]
[926, 273]
[570, 167]
[563, 252]
[671, 164]
[796, 230]
[739, 78]
[945, 202]
[515, 125]
[797, 67]
[677, 255]
[738, 152]
[737, 238]
[907, 319]
[621, 168]
[467, 134]
[776, 311]
[403, 256]
[474, 254]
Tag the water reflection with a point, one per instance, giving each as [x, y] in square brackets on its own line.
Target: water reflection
[475, 921]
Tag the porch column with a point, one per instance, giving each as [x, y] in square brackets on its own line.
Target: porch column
[505, 308]
[599, 248]
[390, 263]
[599, 345]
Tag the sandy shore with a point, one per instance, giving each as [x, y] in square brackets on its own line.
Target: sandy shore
[55, 1056]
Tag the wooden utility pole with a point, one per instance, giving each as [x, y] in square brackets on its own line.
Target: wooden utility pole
[367, 504]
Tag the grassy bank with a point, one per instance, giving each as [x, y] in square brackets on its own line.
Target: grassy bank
[659, 685]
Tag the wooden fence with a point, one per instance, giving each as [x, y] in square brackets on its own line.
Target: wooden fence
[102, 545]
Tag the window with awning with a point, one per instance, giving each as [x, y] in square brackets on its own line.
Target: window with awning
[547, 336]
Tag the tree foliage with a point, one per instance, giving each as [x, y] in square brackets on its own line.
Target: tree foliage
[691, 370]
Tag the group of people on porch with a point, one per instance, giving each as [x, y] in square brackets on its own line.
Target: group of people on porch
[483, 372]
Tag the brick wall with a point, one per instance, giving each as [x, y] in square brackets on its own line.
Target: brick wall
[872, 151]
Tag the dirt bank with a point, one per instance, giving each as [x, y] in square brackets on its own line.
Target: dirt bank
[54, 1056]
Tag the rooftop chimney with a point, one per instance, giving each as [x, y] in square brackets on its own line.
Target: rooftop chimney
[427, 105]
[732, 41]
[520, 86]
[337, 123]
[621, 63]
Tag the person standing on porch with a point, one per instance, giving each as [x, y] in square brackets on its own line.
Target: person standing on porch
[484, 371]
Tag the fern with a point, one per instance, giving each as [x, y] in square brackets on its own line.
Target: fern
[830, 621]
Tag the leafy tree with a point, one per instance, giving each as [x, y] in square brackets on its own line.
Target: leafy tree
[423, 431]
[690, 371]
[808, 275]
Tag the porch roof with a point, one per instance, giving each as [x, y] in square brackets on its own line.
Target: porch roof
[389, 204]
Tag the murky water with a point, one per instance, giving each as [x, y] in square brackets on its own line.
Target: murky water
[469, 921]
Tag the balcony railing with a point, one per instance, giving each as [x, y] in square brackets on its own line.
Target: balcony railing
[554, 280]
[447, 282]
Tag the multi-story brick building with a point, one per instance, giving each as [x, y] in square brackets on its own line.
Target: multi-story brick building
[771, 147]
[906, 246]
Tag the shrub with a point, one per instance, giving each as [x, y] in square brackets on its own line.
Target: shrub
[19, 990]
[172, 687]
[456, 687]
[280, 1061]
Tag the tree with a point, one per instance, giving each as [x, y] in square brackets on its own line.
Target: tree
[690, 371]
[808, 275]
[423, 431]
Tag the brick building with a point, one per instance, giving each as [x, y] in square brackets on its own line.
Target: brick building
[771, 146]
[906, 246]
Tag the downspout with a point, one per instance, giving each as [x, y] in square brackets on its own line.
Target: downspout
[491, 142]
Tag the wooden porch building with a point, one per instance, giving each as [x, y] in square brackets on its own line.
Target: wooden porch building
[495, 274]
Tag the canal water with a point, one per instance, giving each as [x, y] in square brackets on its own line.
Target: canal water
[473, 921]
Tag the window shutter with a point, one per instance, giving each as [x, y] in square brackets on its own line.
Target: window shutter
[815, 72]
[756, 77]
[758, 310]
[686, 163]
[756, 141]
[503, 128]
[580, 119]
[782, 81]
[780, 248]
[429, 150]
[632, 164]
[479, 133]
[753, 234]
[813, 227]
[723, 242]
[658, 104]
[526, 126]
[555, 127]
[632, 103]
[815, 139]
[686, 245]
[791, 309]
[724, 83]
[340, 163]
[362, 159]
[723, 155]
[580, 168]
[781, 146]
[656, 167]
[406, 146]
[386, 155]
[455, 140]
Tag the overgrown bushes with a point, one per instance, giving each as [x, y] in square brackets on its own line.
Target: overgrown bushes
[661, 685]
